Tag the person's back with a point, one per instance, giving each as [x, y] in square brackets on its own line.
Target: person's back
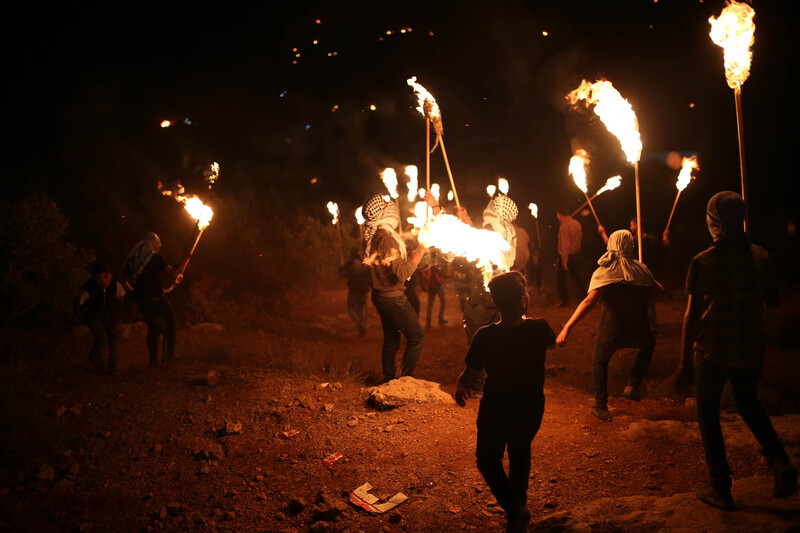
[623, 314]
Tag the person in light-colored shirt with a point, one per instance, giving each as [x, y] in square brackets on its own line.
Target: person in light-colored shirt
[570, 235]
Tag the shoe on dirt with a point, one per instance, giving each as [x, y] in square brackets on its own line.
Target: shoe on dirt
[716, 498]
[631, 393]
[601, 413]
[785, 481]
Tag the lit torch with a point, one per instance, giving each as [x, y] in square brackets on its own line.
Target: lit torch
[333, 209]
[389, 178]
[620, 119]
[360, 222]
[577, 168]
[535, 212]
[200, 212]
[491, 189]
[685, 176]
[430, 110]
[412, 173]
[502, 185]
[611, 184]
[734, 31]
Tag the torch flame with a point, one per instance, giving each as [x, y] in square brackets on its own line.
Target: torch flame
[359, 216]
[688, 164]
[435, 190]
[333, 209]
[450, 235]
[534, 210]
[491, 189]
[389, 177]
[427, 103]
[615, 112]
[450, 195]
[733, 31]
[611, 184]
[412, 173]
[577, 168]
[193, 205]
[502, 185]
[421, 212]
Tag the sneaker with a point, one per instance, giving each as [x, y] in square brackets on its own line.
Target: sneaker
[601, 413]
[720, 499]
[785, 480]
[518, 521]
[632, 393]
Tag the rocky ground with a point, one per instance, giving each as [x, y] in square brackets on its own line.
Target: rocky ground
[243, 434]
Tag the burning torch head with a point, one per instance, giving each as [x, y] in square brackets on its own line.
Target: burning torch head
[725, 217]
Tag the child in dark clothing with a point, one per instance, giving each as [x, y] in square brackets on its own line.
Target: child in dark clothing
[98, 305]
[513, 353]
[358, 278]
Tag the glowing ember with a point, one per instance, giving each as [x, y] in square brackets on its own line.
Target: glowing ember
[389, 178]
[733, 31]
[450, 195]
[214, 174]
[412, 173]
[491, 189]
[611, 184]
[534, 210]
[502, 185]
[166, 123]
[359, 216]
[450, 235]
[615, 112]
[427, 103]
[333, 209]
[688, 164]
[577, 168]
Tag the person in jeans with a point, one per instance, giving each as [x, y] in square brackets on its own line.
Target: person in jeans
[390, 266]
[723, 340]
[143, 269]
[98, 305]
[433, 282]
[624, 286]
[358, 277]
[512, 353]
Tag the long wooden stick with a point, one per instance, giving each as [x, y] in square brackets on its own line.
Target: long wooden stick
[428, 152]
[584, 204]
[673, 209]
[740, 127]
[449, 172]
[588, 201]
[191, 252]
[341, 248]
[638, 211]
[538, 235]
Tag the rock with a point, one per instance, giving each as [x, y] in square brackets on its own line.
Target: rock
[318, 526]
[207, 328]
[61, 410]
[672, 430]
[46, 473]
[279, 516]
[328, 407]
[213, 377]
[75, 411]
[232, 428]
[174, 508]
[327, 508]
[405, 391]
[296, 505]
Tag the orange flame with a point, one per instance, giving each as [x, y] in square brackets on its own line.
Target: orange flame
[733, 31]
[502, 185]
[615, 112]
[491, 189]
[688, 164]
[193, 205]
[412, 173]
[333, 209]
[389, 178]
[427, 103]
[534, 210]
[577, 168]
[359, 216]
[611, 184]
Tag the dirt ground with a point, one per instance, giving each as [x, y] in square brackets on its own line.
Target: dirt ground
[181, 449]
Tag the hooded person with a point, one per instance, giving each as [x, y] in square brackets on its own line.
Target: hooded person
[390, 267]
[724, 340]
[624, 287]
[143, 270]
[499, 216]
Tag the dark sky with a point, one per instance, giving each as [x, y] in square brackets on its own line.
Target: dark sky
[87, 86]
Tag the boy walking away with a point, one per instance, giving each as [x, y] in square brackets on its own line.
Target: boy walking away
[624, 286]
[98, 304]
[723, 331]
[357, 275]
[433, 281]
[513, 353]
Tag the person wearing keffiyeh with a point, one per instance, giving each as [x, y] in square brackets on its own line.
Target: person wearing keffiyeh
[723, 340]
[624, 286]
[390, 267]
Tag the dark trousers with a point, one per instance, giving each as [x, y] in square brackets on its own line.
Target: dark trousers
[357, 309]
[475, 317]
[709, 380]
[432, 295]
[510, 491]
[398, 317]
[602, 355]
[573, 263]
[104, 331]
[160, 319]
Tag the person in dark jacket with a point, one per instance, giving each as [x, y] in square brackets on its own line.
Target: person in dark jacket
[97, 305]
[357, 275]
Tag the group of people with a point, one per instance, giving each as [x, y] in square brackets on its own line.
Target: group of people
[723, 336]
[99, 303]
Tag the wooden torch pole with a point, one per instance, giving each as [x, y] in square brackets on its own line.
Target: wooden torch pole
[638, 211]
[449, 172]
[740, 127]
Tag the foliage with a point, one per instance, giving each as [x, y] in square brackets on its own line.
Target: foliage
[39, 270]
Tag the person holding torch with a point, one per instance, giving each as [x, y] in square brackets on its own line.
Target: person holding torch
[143, 271]
[390, 267]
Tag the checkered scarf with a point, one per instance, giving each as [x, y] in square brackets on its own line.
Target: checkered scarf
[499, 215]
[376, 215]
[142, 253]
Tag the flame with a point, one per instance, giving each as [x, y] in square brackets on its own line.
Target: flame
[421, 212]
[733, 31]
[214, 174]
[427, 103]
[502, 185]
[491, 189]
[577, 168]
[687, 165]
[333, 209]
[166, 123]
[421, 192]
[389, 177]
[412, 173]
[450, 195]
[615, 112]
[359, 216]
[611, 184]
[534, 210]
[450, 235]
[435, 190]
[193, 205]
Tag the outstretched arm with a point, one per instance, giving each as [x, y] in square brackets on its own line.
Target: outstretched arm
[691, 327]
[583, 309]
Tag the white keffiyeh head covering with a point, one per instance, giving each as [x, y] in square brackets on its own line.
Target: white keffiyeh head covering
[618, 265]
[499, 215]
[378, 213]
[142, 253]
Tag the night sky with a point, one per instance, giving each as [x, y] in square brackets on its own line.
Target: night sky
[87, 86]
